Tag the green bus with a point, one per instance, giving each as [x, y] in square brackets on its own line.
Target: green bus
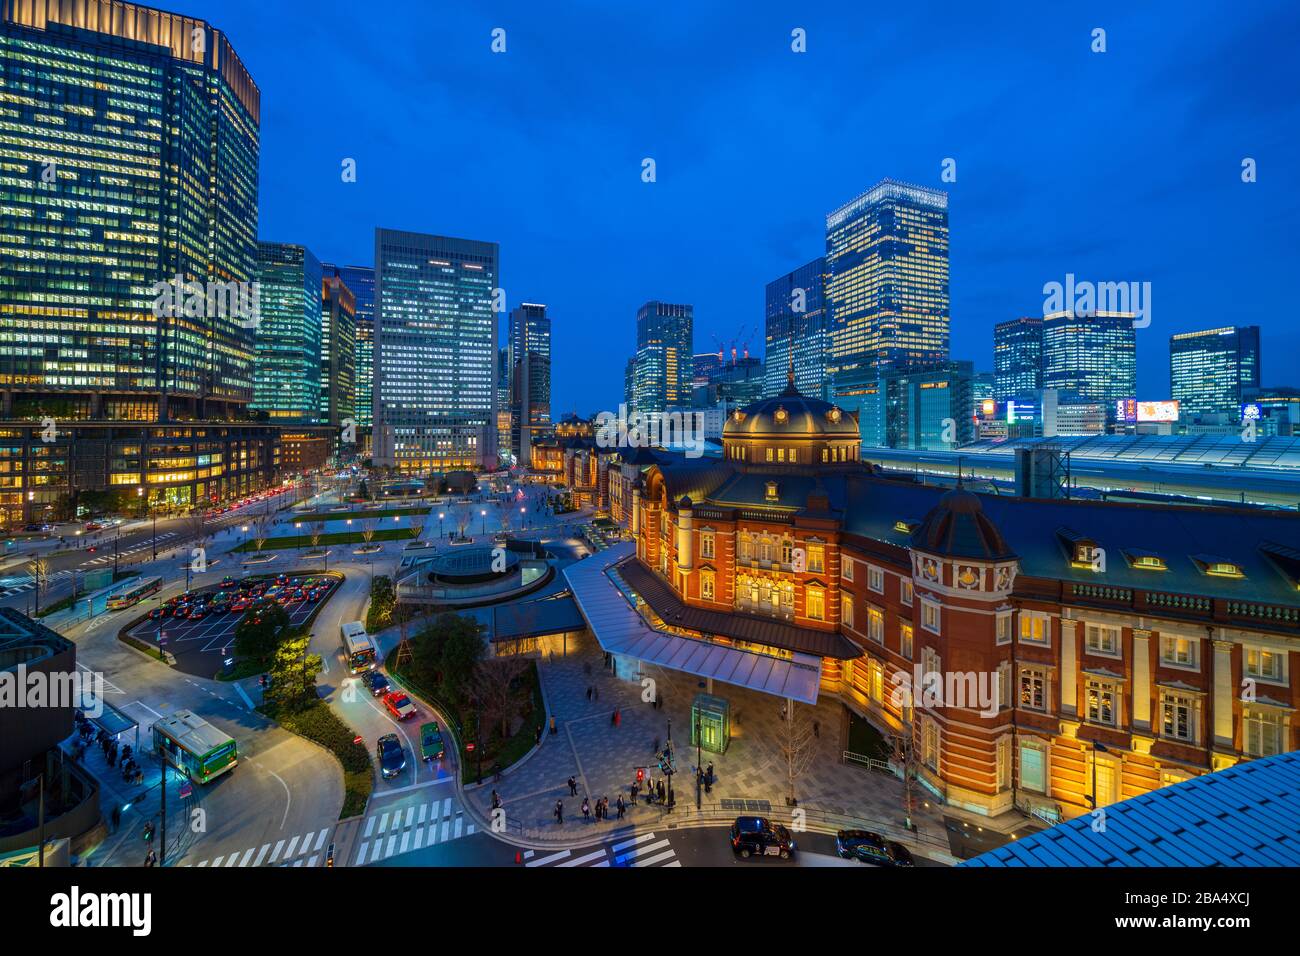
[193, 746]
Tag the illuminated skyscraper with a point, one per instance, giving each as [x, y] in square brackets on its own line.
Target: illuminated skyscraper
[435, 351]
[1017, 358]
[131, 144]
[338, 349]
[361, 281]
[796, 317]
[665, 372]
[1091, 357]
[1210, 371]
[887, 278]
[530, 375]
[128, 254]
[287, 379]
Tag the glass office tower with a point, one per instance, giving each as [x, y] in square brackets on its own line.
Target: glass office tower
[361, 281]
[665, 356]
[338, 349]
[1017, 358]
[287, 381]
[1090, 357]
[132, 157]
[530, 374]
[887, 278]
[435, 352]
[796, 319]
[1210, 371]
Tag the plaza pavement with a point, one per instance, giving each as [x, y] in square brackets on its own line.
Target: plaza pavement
[603, 757]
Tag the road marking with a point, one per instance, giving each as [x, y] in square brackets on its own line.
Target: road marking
[392, 844]
[275, 854]
[622, 858]
[217, 861]
[383, 822]
[244, 861]
[361, 853]
[261, 854]
[320, 840]
[582, 860]
[633, 842]
[247, 700]
[543, 860]
[288, 852]
[370, 826]
[423, 807]
[406, 841]
[651, 861]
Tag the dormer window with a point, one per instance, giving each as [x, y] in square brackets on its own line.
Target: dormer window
[1146, 560]
[771, 491]
[905, 525]
[1218, 567]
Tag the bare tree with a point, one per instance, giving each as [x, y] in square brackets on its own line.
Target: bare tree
[797, 743]
[463, 515]
[316, 529]
[417, 522]
[368, 528]
[494, 682]
[261, 530]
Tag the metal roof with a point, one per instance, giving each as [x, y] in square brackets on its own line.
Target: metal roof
[1247, 815]
[620, 629]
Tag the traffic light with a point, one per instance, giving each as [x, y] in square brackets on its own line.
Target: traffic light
[640, 774]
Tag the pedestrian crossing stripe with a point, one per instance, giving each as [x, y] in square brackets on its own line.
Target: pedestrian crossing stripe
[394, 832]
[644, 850]
[303, 843]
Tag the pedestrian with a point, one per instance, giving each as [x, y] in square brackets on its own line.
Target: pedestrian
[496, 800]
[586, 809]
[613, 718]
[538, 741]
[553, 731]
[559, 811]
[151, 858]
[661, 789]
[117, 818]
[589, 693]
[620, 806]
[573, 787]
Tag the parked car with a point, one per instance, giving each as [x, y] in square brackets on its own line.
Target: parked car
[759, 836]
[378, 683]
[867, 847]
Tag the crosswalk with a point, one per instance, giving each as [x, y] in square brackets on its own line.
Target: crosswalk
[127, 552]
[391, 832]
[644, 850]
[29, 584]
[299, 850]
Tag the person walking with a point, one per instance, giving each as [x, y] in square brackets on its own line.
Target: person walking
[559, 812]
[573, 787]
[553, 731]
[496, 800]
[586, 809]
[620, 806]
[151, 858]
[589, 693]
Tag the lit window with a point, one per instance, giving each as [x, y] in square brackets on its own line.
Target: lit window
[1033, 688]
[706, 585]
[1101, 702]
[930, 616]
[706, 544]
[848, 610]
[1178, 651]
[1262, 732]
[876, 625]
[1178, 713]
[1265, 663]
[816, 558]
[1035, 627]
[1033, 766]
[847, 570]
[905, 637]
[1004, 627]
[906, 596]
[816, 603]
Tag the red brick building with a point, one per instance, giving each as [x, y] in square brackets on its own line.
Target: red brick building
[1026, 647]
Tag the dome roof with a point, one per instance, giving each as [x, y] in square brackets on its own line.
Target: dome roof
[791, 415]
[957, 527]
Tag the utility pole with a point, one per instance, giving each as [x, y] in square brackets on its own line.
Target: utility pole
[40, 835]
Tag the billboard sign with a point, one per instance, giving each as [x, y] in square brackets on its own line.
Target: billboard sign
[1165, 411]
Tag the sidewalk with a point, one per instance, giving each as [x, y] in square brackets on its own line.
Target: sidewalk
[603, 757]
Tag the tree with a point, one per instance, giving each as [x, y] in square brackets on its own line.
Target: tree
[293, 673]
[259, 632]
[797, 744]
[261, 530]
[417, 522]
[448, 649]
[495, 685]
[368, 528]
[316, 528]
[463, 515]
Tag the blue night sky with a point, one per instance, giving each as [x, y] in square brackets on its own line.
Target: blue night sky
[1117, 166]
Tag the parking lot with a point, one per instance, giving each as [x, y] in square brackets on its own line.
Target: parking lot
[200, 646]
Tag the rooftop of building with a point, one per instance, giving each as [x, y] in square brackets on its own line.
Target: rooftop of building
[1246, 815]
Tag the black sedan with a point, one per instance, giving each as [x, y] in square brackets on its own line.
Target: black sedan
[867, 847]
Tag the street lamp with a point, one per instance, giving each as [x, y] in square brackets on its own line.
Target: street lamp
[441, 515]
[484, 514]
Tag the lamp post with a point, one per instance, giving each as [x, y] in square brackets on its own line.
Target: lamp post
[483, 513]
[441, 515]
[1097, 747]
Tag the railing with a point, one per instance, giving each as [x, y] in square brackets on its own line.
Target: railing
[874, 763]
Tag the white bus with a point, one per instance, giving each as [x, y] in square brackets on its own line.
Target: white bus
[358, 648]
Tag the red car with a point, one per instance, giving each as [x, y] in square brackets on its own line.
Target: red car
[240, 604]
[399, 705]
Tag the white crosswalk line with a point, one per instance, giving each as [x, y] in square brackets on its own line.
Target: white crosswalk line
[370, 826]
[383, 822]
[392, 845]
[217, 862]
[288, 851]
[361, 853]
[247, 856]
[204, 863]
[460, 823]
[262, 854]
[431, 835]
[406, 841]
[651, 861]
[618, 847]
[419, 838]
[424, 808]
[674, 863]
[410, 816]
[275, 854]
[375, 850]
[313, 859]
[446, 830]
[446, 807]
[584, 860]
[544, 860]
[320, 840]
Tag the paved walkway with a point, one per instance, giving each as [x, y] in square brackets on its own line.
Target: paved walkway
[602, 758]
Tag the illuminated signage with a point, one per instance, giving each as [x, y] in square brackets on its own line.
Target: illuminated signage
[1126, 410]
[1166, 411]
